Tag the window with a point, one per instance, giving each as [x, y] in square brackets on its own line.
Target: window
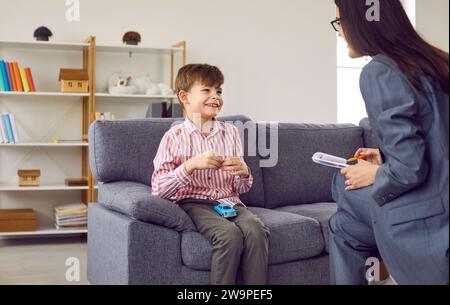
[350, 104]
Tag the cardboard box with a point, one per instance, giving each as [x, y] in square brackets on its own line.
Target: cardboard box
[17, 220]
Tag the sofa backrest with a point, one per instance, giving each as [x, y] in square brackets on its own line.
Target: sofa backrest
[296, 179]
[124, 151]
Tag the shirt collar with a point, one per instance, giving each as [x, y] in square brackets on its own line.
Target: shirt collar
[190, 127]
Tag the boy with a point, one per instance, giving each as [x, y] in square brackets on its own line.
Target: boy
[198, 165]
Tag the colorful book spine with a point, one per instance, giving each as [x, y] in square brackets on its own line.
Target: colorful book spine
[18, 78]
[30, 79]
[14, 128]
[5, 76]
[8, 74]
[23, 76]
[2, 78]
[3, 138]
[13, 77]
[9, 130]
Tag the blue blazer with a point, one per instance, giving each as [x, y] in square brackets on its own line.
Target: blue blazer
[412, 130]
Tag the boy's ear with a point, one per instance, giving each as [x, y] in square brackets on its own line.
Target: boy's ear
[182, 96]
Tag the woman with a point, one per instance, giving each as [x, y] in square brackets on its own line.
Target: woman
[394, 201]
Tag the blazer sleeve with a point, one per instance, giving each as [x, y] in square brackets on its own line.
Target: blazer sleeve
[393, 107]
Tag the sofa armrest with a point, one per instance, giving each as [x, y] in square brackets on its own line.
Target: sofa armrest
[136, 201]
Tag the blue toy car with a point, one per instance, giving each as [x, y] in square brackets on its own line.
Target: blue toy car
[225, 210]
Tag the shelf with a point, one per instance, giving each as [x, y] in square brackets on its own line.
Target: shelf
[13, 93]
[49, 187]
[45, 231]
[136, 49]
[43, 45]
[135, 96]
[44, 144]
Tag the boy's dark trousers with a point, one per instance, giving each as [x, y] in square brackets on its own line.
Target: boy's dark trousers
[243, 239]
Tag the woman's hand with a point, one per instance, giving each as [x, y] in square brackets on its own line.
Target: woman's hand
[236, 167]
[372, 155]
[360, 175]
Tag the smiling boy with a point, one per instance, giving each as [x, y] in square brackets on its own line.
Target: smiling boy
[199, 164]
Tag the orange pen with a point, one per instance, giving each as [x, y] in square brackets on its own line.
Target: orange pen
[356, 158]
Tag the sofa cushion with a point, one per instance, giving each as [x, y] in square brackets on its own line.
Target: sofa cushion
[136, 201]
[292, 237]
[321, 212]
[296, 179]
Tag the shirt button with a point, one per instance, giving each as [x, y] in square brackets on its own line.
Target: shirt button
[209, 178]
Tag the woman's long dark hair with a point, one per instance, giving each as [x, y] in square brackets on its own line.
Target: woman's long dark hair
[394, 36]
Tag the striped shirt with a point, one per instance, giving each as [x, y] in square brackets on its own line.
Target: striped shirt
[170, 179]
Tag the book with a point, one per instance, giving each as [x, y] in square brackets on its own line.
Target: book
[30, 79]
[8, 128]
[17, 76]
[70, 215]
[13, 76]
[14, 127]
[2, 78]
[23, 76]
[70, 209]
[3, 137]
[8, 75]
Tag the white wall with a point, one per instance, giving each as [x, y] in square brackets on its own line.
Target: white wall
[278, 57]
[432, 21]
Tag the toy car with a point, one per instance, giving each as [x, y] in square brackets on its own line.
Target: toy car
[225, 210]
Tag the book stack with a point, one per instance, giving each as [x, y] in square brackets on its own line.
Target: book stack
[72, 215]
[8, 129]
[15, 78]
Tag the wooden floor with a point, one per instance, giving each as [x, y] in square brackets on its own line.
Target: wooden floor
[41, 261]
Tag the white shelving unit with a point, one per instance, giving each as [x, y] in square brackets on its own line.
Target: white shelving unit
[43, 45]
[54, 187]
[45, 227]
[134, 96]
[42, 144]
[44, 231]
[12, 93]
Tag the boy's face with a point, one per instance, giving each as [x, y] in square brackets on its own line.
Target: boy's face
[202, 99]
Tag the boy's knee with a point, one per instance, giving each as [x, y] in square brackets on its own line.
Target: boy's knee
[230, 236]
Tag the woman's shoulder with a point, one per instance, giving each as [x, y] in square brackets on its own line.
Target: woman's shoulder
[382, 69]
[381, 64]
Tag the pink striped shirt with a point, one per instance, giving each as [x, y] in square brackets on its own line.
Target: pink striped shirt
[184, 141]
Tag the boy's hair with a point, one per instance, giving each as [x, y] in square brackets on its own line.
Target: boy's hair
[205, 74]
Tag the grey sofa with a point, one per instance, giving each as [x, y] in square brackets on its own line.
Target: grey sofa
[137, 238]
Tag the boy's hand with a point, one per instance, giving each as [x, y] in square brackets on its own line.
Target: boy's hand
[203, 161]
[236, 166]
